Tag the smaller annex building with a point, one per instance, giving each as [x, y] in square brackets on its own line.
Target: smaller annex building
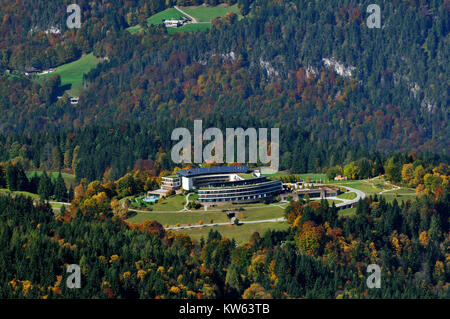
[313, 193]
[224, 184]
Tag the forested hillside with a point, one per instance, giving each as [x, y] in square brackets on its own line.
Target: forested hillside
[313, 68]
[34, 32]
[320, 256]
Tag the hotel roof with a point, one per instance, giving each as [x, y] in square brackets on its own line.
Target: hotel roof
[213, 170]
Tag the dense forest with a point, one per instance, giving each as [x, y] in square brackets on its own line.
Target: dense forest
[109, 152]
[320, 256]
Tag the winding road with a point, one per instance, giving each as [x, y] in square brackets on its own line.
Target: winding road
[349, 202]
[281, 219]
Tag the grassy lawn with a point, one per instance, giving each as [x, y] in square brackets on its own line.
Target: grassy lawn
[134, 29]
[7, 191]
[203, 14]
[184, 218]
[72, 73]
[389, 197]
[260, 213]
[57, 206]
[157, 18]
[167, 14]
[277, 174]
[409, 191]
[68, 178]
[194, 27]
[362, 185]
[348, 195]
[206, 13]
[186, 28]
[241, 234]
[245, 206]
[314, 177]
[170, 204]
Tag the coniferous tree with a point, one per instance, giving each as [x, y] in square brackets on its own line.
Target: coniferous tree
[60, 188]
[45, 188]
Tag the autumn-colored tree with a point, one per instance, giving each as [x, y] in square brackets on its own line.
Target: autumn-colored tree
[154, 228]
[424, 239]
[419, 173]
[119, 209]
[256, 291]
[309, 240]
[407, 173]
[351, 170]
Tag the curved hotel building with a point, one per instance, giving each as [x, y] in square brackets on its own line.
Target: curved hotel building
[226, 184]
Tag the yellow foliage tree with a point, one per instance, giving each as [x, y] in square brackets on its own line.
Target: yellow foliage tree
[256, 291]
[424, 239]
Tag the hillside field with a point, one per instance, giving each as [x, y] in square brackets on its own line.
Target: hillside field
[207, 13]
[72, 73]
[203, 14]
[241, 234]
[68, 178]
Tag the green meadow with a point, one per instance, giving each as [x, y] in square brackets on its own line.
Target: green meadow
[68, 178]
[72, 73]
[165, 216]
[192, 27]
[207, 13]
[203, 14]
[7, 191]
[241, 234]
[167, 14]
[348, 195]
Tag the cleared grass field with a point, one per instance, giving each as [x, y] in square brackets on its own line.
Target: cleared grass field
[241, 234]
[55, 206]
[314, 177]
[68, 178]
[193, 27]
[389, 197]
[206, 13]
[362, 185]
[167, 14]
[260, 213]
[193, 217]
[7, 191]
[402, 191]
[203, 14]
[72, 73]
[157, 18]
[171, 204]
[348, 195]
